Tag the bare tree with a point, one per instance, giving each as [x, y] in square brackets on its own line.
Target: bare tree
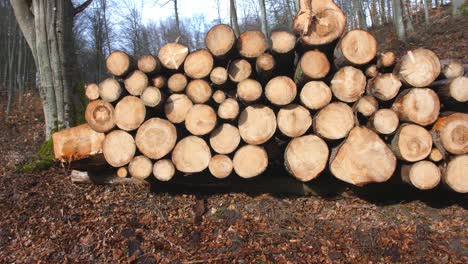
[457, 7]
[263, 17]
[398, 20]
[176, 12]
[233, 12]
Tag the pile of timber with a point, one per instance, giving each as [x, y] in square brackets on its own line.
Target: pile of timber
[315, 101]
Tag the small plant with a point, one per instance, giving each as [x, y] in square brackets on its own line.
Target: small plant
[45, 159]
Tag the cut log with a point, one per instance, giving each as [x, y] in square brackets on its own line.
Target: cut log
[164, 170]
[122, 172]
[306, 157]
[294, 120]
[199, 91]
[315, 95]
[281, 90]
[140, 167]
[417, 105]
[319, 22]
[450, 134]
[249, 90]
[156, 138]
[198, 64]
[130, 113]
[252, 43]
[191, 155]
[220, 40]
[372, 71]
[436, 155]
[366, 106]
[265, 66]
[363, 158]
[103, 178]
[136, 83]
[100, 116]
[177, 83]
[454, 92]
[229, 109]
[200, 120]
[239, 70]
[220, 166]
[92, 91]
[219, 76]
[219, 96]
[225, 139]
[250, 161]
[152, 97]
[110, 90]
[159, 82]
[282, 42]
[452, 69]
[149, 64]
[386, 60]
[384, 87]
[313, 65]
[118, 148]
[119, 63]
[423, 175]
[334, 121]
[455, 174]
[348, 84]
[172, 55]
[356, 48]
[385, 121]
[177, 107]
[77, 143]
[418, 68]
[257, 124]
[412, 143]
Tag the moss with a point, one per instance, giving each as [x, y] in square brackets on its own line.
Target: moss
[45, 159]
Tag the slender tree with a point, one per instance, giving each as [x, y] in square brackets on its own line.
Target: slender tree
[398, 20]
[233, 11]
[263, 17]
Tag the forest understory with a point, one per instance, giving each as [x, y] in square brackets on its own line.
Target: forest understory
[44, 217]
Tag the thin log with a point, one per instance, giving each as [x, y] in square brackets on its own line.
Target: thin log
[412, 143]
[130, 113]
[149, 64]
[159, 82]
[92, 91]
[183, 156]
[372, 71]
[152, 97]
[122, 172]
[386, 60]
[436, 155]
[424, 175]
[100, 116]
[384, 87]
[366, 106]
[229, 109]
[250, 161]
[249, 90]
[265, 66]
[164, 170]
[452, 68]
[315, 95]
[239, 70]
[140, 167]
[220, 40]
[110, 90]
[454, 92]
[156, 132]
[219, 76]
[257, 124]
[177, 83]
[384, 121]
[119, 63]
[219, 96]
[313, 65]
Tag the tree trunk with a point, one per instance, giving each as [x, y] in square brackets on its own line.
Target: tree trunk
[398, 20]
[156, 132]
[220, 166]
[250, 161]
[263, 17]
[176, 13]
[164, 170]
[233, 12]
[315, 95]
[225, 139]
[348, 84]
[183, 155]
[427, 19]
[294, 120]
[257, 124]
[417, 105]
[423, 175]
[412, 143]
[130, 113]
[198, 64]
[334, 121]
[118, 148]
[407, 14]
[201, 120]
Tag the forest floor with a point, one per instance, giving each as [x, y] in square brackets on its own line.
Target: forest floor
[45, 218]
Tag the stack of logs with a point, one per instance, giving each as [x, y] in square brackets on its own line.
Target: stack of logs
[316, 101]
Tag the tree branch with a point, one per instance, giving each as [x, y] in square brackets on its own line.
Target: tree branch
[82, 7]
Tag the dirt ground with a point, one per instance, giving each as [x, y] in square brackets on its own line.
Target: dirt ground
[46, 219]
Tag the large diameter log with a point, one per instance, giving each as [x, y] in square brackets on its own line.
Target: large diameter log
[219, 76]
[220, 40]
[348, 84]
[119, 63]
[452, 69]
[424, 175]
[177, 107]
[149, 64]
[294, 120]
[225, 139]
[313, 65]
[229, 109]
[363, 158]
[140, 167]
[417, 105]
[130, 113]
[250, 161]
[219, 96]
[412, 143]
[200, 120]
[306, 157]
[385, 121]
[239, 70]
[191, 155]
[357, 47]
[136, 83]
[455, 175]
[198, 64]
[159, 81]
[164, 170]
[77, 143]
[450, 134]
[220, 166]
[199, 91]
[315, 95]
[92, 91]
[156, 138]
[454, 92]
[334, 121]
[386, 60]
[177, 83]
[172, 55]
[100, 116]
[249, 90]
[319, 22]
[265, 66]
[257, 124]
[118, 148]
[152, 97]
[281, 90]
[384, 87]
[252, 43]
[366, 106]
[110, 90]
[418, 68]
